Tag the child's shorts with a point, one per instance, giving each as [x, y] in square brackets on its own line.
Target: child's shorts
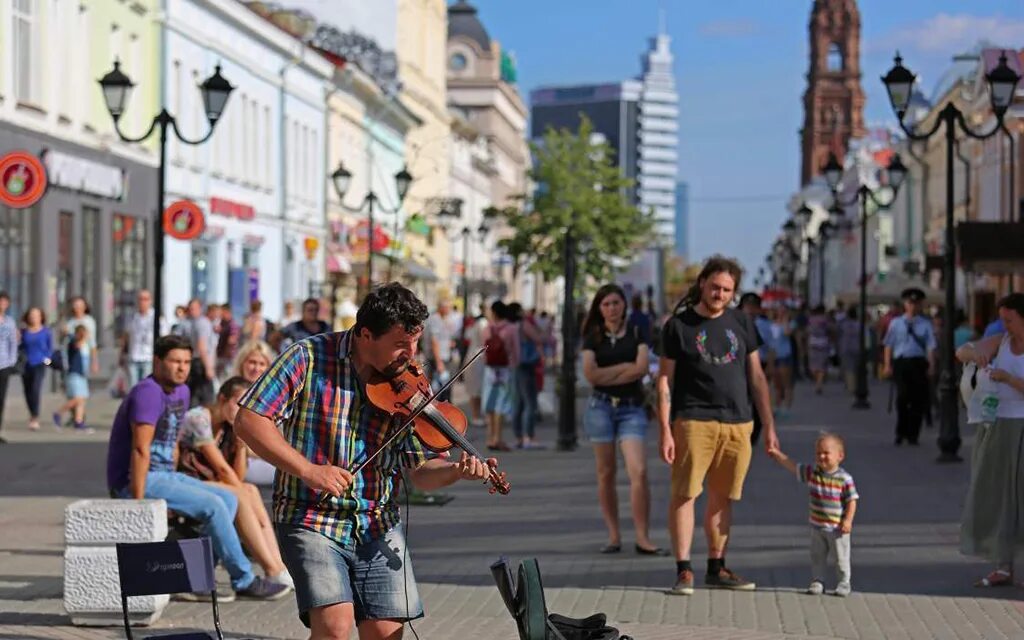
[76, 385]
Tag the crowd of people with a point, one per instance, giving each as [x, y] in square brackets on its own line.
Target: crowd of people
[216, 408]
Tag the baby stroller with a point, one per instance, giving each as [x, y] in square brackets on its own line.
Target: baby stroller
[525, 601]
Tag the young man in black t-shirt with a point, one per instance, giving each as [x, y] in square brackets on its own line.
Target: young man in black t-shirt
[709, 372]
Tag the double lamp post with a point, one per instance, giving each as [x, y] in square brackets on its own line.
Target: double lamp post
[1002, 84]
[896, 173]
[117, 88]
[342, 179]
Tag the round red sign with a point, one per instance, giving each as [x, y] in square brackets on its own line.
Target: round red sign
[183, 220]
[22, 179]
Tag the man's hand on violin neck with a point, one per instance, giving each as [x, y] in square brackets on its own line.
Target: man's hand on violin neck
[473, 468]
[327, 477]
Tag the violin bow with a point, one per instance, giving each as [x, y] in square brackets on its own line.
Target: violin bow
[408, 422]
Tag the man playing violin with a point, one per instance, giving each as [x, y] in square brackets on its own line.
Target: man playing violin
[308, 416]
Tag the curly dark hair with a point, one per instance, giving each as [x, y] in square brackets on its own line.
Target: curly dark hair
[1013, 302]
[390, 305]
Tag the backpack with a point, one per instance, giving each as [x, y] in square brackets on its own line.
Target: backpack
[496, 354]
[528, 352]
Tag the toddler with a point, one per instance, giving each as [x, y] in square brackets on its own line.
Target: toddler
[833, 503]
[76, 381]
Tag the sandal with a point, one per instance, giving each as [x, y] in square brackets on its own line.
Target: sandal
[998, 578]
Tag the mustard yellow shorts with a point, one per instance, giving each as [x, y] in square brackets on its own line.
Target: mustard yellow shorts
[716, 451]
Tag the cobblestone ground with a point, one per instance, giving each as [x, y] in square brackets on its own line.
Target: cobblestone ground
[909, 578]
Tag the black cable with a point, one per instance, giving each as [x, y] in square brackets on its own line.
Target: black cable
[405, 559]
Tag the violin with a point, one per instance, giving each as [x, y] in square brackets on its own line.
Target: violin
[438, 425]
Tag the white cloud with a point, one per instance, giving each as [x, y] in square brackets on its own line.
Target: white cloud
[729, 28]
[949, 34]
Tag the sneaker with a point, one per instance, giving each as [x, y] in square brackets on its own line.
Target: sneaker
[684, 584]
[80, 427]
[726, 579]
[843, 589]
[816, 588]
[284, 578]
[57, 422]
[224, 594]
[263, 589]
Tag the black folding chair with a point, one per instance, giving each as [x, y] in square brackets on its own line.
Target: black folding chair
[169, 567]
[524, 599]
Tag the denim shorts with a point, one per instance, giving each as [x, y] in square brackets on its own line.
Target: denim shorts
[604, 423]
[375, 575]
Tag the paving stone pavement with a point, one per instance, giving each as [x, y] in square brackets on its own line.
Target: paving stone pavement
[910, 580]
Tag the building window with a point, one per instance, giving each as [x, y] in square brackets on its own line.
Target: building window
[16, 256]
[457, 62]
[128, 269]
[835, 58]
[25, 36]
[90, 253]
[64, 238]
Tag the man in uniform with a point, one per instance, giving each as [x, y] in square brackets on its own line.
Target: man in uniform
[909, 358]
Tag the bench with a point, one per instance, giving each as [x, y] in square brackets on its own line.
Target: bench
[92, 528]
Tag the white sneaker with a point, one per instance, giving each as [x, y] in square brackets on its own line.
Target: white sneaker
[843, 589]
[284, 578]
[816, 588]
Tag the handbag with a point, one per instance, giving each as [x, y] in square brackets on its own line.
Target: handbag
[57, 360]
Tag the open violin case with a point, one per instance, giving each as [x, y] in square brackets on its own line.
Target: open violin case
[524, 598]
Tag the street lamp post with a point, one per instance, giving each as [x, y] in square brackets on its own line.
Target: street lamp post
[833, 174]
[342, 179]
[899, 83]
[117, 87]
[567, 400]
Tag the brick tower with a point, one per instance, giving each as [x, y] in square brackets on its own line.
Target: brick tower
[834, 100]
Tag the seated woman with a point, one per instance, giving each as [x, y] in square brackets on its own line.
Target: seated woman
[252, 360]
[211, 452]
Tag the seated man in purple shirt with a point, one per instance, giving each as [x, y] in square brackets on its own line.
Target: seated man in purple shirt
[143, 452]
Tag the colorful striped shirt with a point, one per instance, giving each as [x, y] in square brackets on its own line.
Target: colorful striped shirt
[829, 494]
[313, 394]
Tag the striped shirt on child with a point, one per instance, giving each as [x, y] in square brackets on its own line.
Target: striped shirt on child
[829, 494]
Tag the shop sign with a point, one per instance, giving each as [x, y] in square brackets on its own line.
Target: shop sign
[85, 176]
[213, 232]
[183, 220]
[231, 209]
[310, 244]
[22, 179]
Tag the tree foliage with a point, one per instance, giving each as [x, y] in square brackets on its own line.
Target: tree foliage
[578, 185]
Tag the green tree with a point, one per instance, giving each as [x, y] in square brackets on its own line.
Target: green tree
[579, 185]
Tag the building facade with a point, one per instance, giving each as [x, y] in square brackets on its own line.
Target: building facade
[658, 128]
[260, 179]
[91, 232]
[490, 144]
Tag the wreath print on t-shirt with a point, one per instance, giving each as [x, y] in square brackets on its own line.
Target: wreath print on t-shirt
[728, 358]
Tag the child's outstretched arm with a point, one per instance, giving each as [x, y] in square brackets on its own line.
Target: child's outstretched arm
[783, 459]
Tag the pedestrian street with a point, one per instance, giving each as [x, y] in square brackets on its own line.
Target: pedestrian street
[909, 579]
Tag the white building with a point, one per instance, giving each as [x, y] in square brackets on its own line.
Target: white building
[658, 129]
[260, 179]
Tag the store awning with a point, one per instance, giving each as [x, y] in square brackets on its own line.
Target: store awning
[991, 247]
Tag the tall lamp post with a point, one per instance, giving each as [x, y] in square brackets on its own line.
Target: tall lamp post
[899, 83]
[896, 172]
[466, 232]
[117, 88]
[342, 179]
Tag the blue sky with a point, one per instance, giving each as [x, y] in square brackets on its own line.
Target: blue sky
[740, 67]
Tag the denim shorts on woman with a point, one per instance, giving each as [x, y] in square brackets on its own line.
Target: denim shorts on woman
[604, 423]
[375, 576]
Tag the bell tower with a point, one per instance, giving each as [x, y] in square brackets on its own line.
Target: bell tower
[834, 100]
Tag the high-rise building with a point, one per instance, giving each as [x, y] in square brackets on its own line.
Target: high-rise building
[659, 137]
[639, 118]
[682, 239]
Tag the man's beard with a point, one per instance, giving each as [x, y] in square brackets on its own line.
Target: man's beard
[395, 369]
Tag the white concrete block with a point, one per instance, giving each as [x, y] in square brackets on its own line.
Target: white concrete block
[106, 522]
[92, 591]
